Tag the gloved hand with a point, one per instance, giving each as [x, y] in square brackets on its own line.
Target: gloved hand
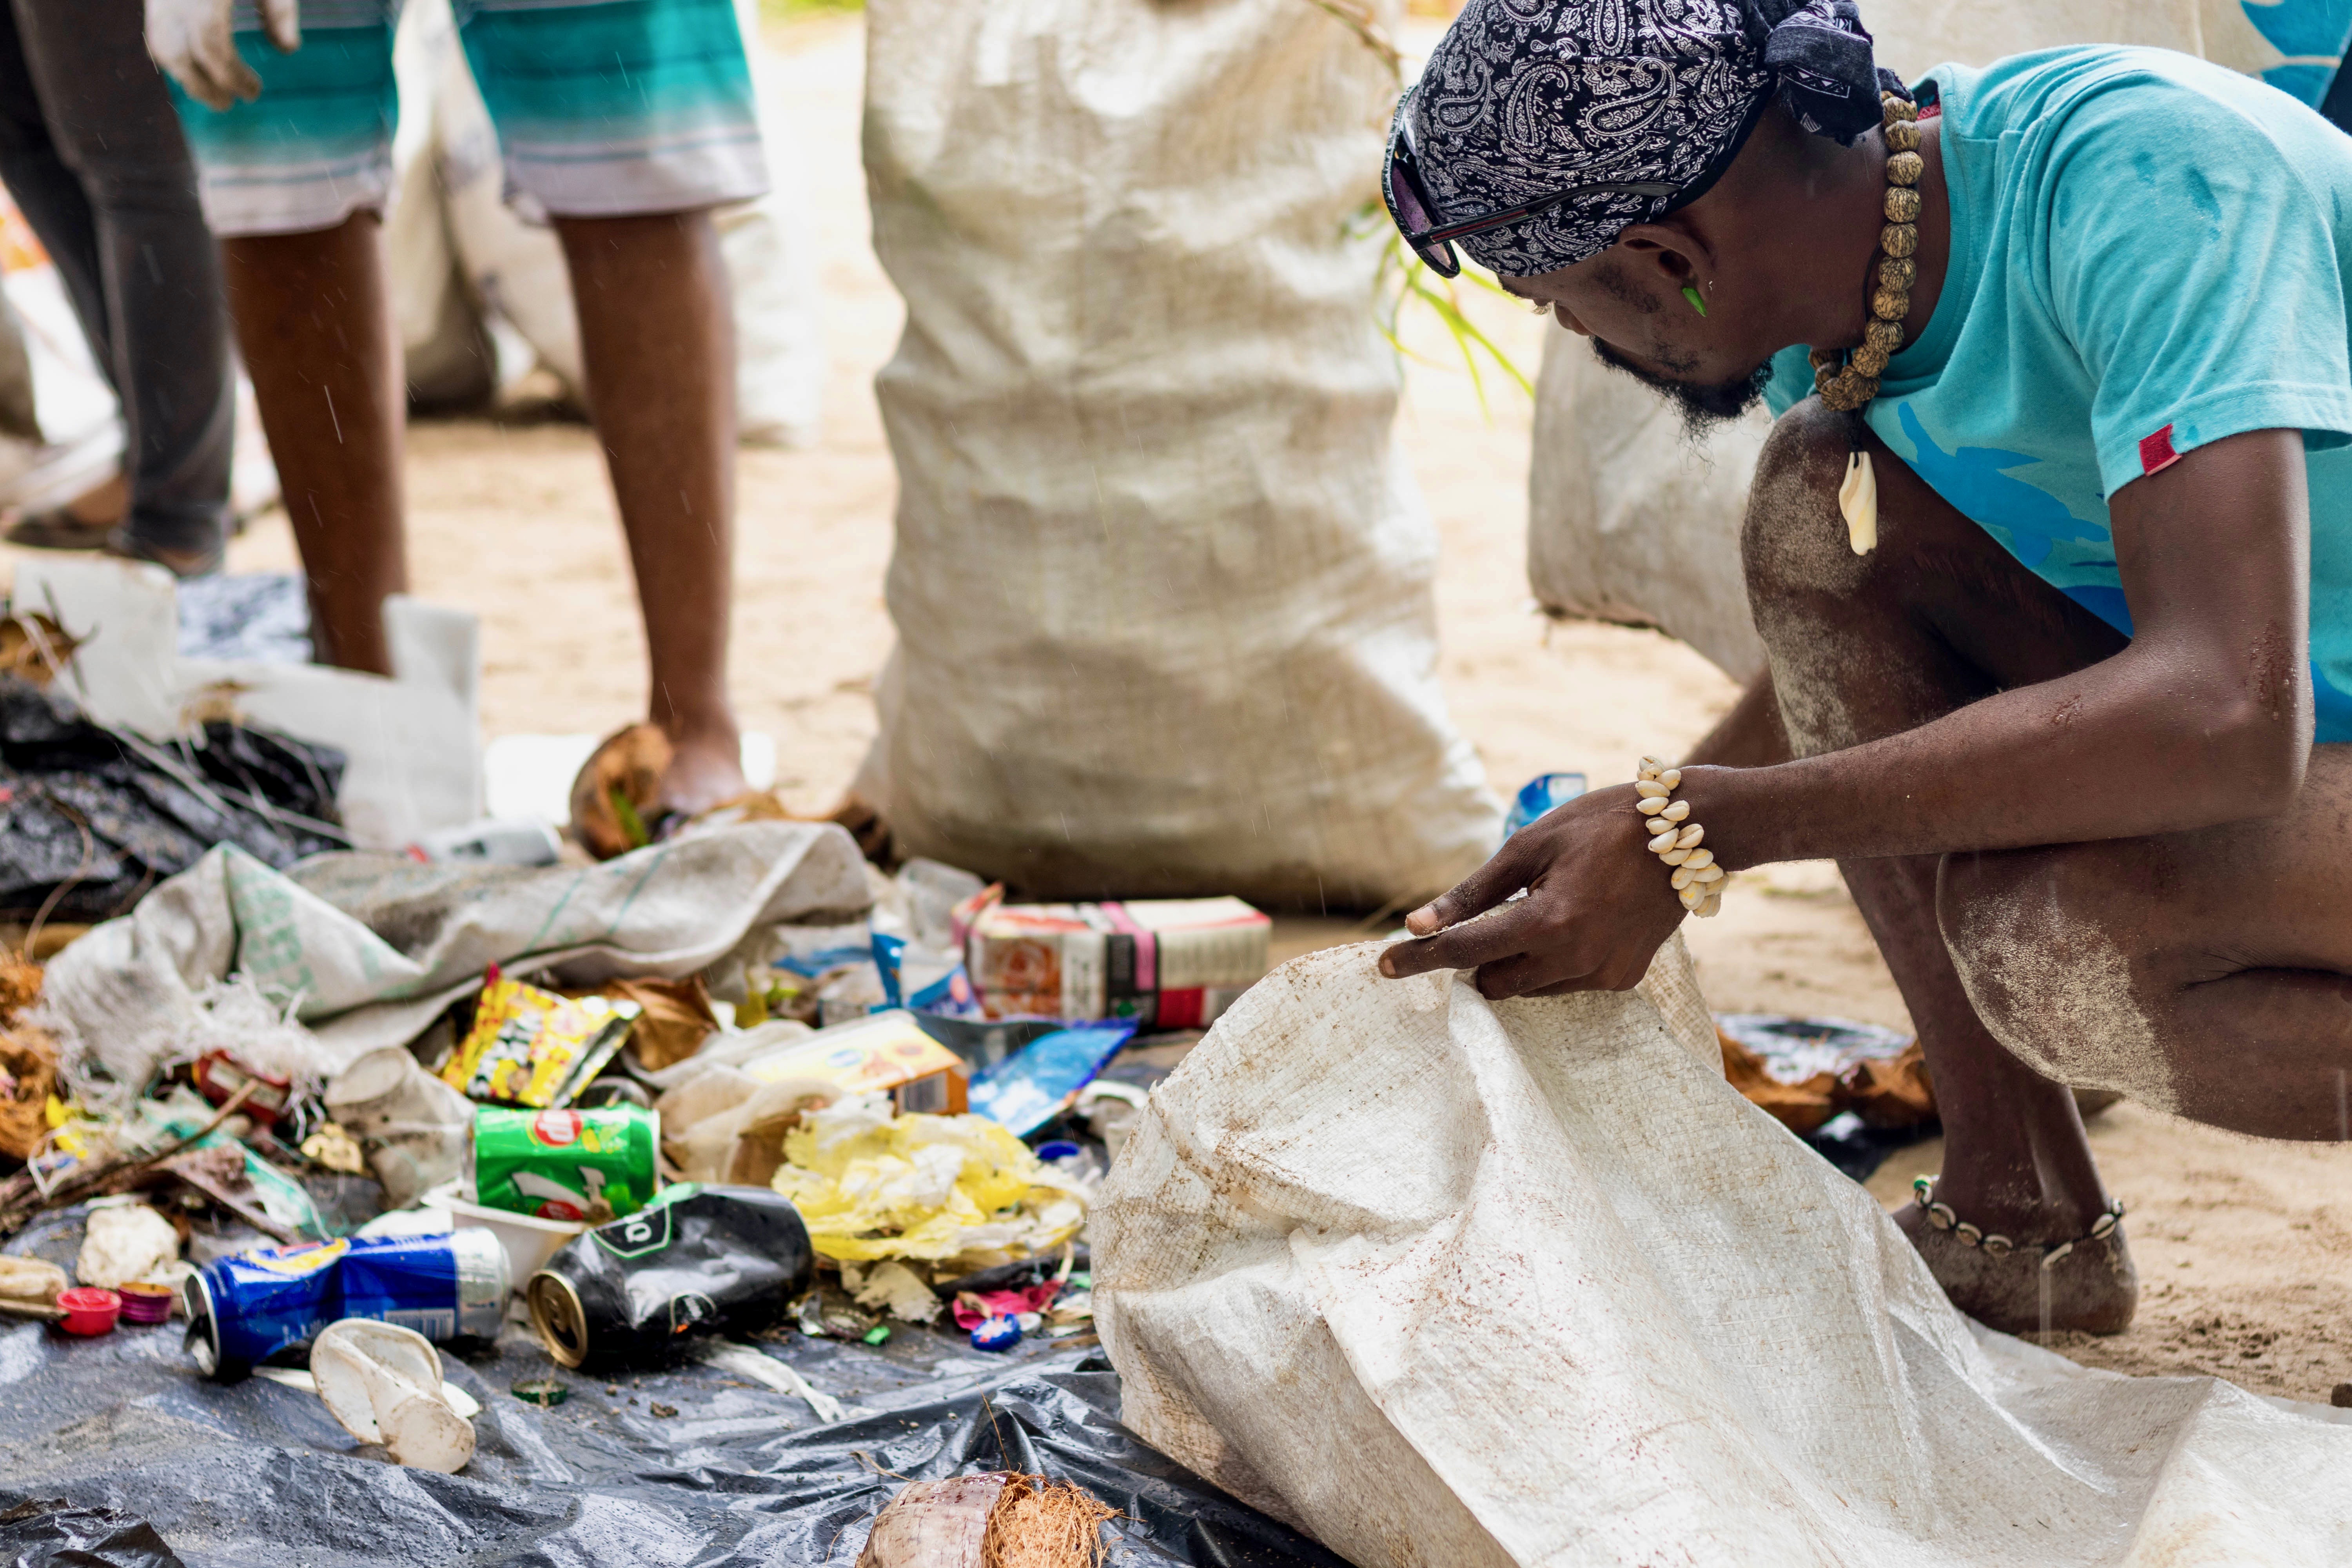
[194, 41]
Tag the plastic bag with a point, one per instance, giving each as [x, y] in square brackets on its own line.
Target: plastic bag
[874, 1185]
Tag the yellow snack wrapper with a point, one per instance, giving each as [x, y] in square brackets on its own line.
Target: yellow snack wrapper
[533, 1047]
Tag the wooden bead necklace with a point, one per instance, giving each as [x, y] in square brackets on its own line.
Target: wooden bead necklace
[1847, 380]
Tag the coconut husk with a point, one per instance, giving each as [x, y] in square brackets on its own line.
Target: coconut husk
[616, 796]
[1039, 1523]
[33, 648]
[20, 986]
[1890, 1094]
[1799, 1107]
[29, 1058]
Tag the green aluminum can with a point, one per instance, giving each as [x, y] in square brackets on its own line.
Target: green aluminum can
[591, 1165]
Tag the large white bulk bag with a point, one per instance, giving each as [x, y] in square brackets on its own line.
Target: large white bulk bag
[1630, 520]
[1442, 1281]
[1162, 584]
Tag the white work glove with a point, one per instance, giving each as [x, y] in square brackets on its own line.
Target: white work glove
[195, 41]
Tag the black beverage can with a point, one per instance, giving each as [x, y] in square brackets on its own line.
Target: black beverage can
[697, 1260]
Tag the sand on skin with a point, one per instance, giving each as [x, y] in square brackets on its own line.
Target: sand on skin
[2245, 1247]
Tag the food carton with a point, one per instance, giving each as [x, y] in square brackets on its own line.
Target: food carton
[1169, 964]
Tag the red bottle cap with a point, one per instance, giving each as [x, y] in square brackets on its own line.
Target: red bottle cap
[89, 1310]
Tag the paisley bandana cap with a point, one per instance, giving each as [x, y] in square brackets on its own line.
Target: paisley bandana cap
[1525, 98]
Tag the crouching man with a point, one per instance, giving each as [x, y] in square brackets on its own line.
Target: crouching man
[2052, 549]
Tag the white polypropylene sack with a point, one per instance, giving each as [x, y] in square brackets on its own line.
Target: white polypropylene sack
[466, 263]
[1631, 520]
[125, 994]
[1162, 583]
[1447, 1281]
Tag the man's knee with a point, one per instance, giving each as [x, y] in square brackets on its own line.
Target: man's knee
[1794, 541]
[2053, 946]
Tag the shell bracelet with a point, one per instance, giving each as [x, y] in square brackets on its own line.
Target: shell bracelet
[1676, 840]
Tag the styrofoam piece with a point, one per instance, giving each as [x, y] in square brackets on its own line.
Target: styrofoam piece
[413, 742]
[529, 777]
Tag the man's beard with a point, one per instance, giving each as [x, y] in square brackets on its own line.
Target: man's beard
[1702, 405]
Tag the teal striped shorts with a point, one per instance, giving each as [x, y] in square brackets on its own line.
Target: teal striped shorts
[602, 107]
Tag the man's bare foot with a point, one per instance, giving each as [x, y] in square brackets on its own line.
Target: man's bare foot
[2094, 1288]
[705, 768]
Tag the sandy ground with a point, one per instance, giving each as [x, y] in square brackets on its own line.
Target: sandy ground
[2246, 1248]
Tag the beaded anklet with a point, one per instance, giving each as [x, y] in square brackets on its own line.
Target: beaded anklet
[1941, 1216]
[1847, 384]
[1698, 880]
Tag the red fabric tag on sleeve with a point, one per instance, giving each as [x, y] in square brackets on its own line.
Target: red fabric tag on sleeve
[2155, 453]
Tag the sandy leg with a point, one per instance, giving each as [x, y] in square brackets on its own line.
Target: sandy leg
[2204, 974]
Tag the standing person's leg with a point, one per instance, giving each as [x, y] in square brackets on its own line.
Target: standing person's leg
[627, 120]
[1863, 646]
[657, 337]
[293, 183]
[50, 195]
[166, 344]
[314, 319]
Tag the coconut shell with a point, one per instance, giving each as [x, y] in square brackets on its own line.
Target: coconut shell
[935, 1524]
[617, 795]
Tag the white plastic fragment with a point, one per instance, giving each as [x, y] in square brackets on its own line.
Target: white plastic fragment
[745, 1362]
[384, 1384]
[296, 1377]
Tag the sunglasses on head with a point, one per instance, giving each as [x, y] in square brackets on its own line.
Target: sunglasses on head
[1415, 214]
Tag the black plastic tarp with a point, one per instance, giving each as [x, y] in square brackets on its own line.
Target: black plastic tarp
[259, 1473]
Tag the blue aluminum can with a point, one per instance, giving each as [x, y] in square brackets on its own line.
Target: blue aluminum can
[247, 1309]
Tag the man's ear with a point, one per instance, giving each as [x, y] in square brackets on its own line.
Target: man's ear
[1667, 255]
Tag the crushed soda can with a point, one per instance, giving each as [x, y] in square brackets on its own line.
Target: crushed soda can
[593, 1164]
[529, 1047]
[697, 1260]
[246, 1310]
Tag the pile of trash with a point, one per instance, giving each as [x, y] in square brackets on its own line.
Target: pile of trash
[90, 817]
[880, 1131]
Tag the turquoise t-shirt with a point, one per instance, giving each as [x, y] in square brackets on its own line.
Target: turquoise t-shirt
[2149, 253]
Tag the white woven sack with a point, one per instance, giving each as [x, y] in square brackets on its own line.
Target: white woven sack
[1446, 1281]
[1162, 584]
[1631, 520]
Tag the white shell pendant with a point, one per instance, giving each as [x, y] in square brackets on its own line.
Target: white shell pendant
[1858, 499]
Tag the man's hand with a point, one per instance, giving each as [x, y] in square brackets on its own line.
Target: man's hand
[195, 42]
[1598, 905]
